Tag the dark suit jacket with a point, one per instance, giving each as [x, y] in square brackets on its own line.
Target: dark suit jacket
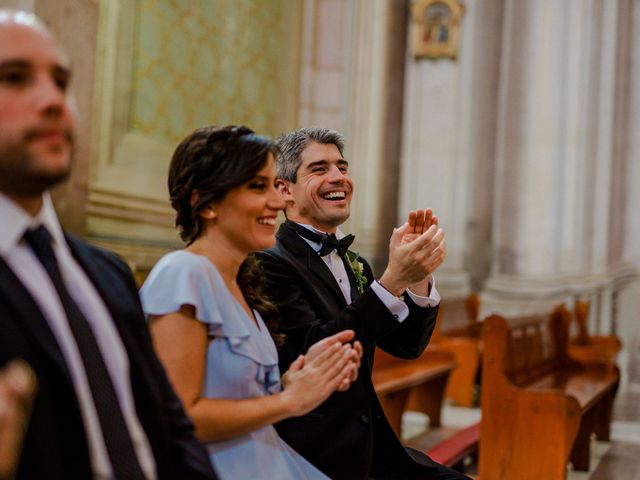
[55, 445]
[348, 436]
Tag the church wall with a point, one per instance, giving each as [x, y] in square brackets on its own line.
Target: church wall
[146, 74]
[524, 144]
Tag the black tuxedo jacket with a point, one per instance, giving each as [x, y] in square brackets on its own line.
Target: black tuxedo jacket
[348, 436]
[55, 445]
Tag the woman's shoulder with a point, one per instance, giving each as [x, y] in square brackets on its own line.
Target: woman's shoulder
[184, 266]
[182, 259]
[181, 278]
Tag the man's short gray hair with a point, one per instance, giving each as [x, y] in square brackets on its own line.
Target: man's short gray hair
[292, 144]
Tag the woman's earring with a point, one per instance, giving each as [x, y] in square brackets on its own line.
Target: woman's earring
[208, 213]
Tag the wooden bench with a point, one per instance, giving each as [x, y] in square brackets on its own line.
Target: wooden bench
[587, 348]
[454, 450]
[423, 380]
[539, 407]
[458, 331]
[459, 318]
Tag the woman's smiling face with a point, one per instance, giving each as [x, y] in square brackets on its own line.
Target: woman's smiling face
[246, 215]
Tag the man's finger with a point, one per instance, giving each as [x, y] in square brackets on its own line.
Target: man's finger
[435, 243]
[412, 220]
[428, 217]
[424, 239]
[420, 221]
[435, 259]
[397, 234]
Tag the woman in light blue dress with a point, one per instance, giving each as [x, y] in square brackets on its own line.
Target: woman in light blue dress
[209, 321]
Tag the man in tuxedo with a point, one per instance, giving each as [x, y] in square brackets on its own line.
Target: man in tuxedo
[320, 287]
[103, 408]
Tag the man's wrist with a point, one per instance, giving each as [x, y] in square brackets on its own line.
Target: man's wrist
[392, 289]
[422, 288]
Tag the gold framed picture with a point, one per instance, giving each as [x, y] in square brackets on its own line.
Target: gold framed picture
[436, 28]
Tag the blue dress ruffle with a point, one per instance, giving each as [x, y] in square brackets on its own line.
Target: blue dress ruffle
[242, 362]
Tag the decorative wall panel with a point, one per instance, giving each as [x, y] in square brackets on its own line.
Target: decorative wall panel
[202, 62]
[164, 68]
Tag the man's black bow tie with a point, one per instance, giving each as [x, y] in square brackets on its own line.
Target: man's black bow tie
[329, 241]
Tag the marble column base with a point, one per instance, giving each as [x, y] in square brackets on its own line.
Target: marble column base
[453, 284]
[513, 295]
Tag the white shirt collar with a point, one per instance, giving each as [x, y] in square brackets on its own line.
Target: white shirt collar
[15, 221]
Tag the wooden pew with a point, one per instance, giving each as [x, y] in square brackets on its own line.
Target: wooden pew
[539, 407]
[587, 348]
[423, 379]
[458, 331]
[459, 318]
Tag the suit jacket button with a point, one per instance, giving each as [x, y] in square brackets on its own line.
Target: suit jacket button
[365, 419]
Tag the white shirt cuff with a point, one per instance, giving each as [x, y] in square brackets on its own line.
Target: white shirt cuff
[433, 300]
[396, 305]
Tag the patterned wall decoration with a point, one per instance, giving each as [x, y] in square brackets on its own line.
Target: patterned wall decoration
[164, 68]
[200, 62]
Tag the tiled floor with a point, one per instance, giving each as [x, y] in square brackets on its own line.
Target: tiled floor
[622, 458]
[615, 460]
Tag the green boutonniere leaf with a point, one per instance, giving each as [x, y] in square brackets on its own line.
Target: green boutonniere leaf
[358, 271]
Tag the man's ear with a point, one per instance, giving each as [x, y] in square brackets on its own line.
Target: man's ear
[284, 188]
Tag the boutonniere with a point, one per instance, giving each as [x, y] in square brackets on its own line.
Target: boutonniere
[358, 271]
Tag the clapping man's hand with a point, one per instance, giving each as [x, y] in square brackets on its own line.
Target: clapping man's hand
[416, 250]
[419, 222]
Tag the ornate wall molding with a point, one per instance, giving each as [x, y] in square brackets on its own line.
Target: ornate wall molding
[126, 189]
[162, 70]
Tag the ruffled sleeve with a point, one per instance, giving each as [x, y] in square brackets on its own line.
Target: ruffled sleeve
[182, 278]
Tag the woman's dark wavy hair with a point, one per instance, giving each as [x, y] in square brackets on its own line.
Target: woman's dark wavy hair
[213, 161]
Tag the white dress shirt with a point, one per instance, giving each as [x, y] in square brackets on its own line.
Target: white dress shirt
[396, 305]
[18, 255]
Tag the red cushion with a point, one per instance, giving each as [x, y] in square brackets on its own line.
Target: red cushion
[453, 449]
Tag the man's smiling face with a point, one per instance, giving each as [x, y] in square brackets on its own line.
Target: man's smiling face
[321, 196]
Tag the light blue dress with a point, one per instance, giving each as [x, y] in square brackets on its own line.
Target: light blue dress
[242, 362]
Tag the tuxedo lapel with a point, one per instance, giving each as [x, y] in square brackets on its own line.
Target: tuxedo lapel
[312, 261]
[352, 278]
[121, 301]
[110, 288]
[28, 316]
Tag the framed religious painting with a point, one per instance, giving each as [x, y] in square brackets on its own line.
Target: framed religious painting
[436, 28]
